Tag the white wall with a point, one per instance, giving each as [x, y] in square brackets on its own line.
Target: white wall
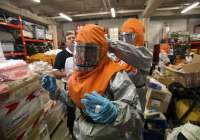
[175, 24]
[155, 26]
[192, 23]
[109, 23]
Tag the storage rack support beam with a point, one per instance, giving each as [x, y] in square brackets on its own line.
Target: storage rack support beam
[27, 14]
[152, 5]
[146, 33]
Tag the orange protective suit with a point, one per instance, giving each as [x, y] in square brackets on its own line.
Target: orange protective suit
[98, 78]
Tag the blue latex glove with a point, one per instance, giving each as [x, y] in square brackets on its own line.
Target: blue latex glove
[49, 83]
[100, 109]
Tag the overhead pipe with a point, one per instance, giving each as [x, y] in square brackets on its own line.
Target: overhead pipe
[152, 5]
[109, 5]
[123, 12]
[105, 5]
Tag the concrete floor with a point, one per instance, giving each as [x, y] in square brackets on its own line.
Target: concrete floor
[61, 133]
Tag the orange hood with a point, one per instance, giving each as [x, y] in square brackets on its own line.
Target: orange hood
[98, 78]
[165, 48]
[135, 26]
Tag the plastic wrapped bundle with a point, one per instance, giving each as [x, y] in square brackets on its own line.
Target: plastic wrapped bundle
[41, 67]
[42, 57]
[13, 70]
[14, 114]
[14, 90]
[53, 52]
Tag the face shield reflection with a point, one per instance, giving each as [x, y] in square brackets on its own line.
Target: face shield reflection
[86, 56]
[127, 37]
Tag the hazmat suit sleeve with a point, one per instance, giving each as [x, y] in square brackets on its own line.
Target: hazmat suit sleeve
[140, 58]
[128, 124]
[125, 98]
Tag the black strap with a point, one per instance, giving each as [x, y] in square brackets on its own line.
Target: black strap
[131, 103]
[181, 137]
[86, 117]
[194, 103]
[141, 86]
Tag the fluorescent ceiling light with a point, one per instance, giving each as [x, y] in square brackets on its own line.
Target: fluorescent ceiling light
[38, 1]
[65, 17]
[113, 12]
[190, 7]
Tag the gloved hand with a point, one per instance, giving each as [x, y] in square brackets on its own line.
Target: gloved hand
[49, 83]
[63, 97]
[100, 109]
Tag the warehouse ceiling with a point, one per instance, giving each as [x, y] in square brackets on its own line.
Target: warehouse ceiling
[71, 7]
[84, 9]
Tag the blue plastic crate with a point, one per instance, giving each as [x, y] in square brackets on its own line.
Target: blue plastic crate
[157, 132]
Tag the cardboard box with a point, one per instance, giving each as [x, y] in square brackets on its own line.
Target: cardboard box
[196, 58]
[158, 99]
[164, 79]
[188, 75]
[189, 78]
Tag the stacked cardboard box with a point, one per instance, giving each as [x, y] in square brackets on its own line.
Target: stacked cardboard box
[188, 74]
[158, 99]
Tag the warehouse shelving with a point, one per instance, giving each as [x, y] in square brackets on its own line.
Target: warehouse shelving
[14, 54]
[23, 38]
[10, 25]
[195, 45]
[36, 41]
[190, 42]
[195, 42]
